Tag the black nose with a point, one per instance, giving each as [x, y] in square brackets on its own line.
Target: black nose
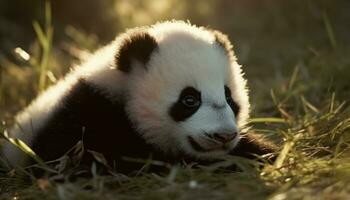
[224, 137]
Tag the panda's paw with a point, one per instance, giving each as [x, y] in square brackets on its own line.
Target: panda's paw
[253, 145]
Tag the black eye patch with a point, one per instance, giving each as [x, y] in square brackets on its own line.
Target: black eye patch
[234, 106]
[186, 105]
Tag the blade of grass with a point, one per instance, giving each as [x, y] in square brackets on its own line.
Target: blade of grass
[23, 147]
[45, 40]
[1, 85]
[288, 145]
[39, 34]
[331, 106]
[293, 78]
[329, 29]
[307, 104]
[267, 120]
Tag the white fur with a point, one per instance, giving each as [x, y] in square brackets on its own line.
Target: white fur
[187, 56]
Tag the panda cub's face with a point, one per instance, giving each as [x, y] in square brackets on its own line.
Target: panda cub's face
[187, 96]
[207, 119]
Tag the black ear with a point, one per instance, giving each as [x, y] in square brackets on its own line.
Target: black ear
[222, 40]
[137, 45]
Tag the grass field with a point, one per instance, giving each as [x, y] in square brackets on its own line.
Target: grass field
[298, 72]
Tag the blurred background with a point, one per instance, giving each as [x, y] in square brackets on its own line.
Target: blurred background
[297, 48]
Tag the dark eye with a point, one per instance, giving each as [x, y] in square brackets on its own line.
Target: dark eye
[190, 101]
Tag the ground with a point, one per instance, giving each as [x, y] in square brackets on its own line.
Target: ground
[298, 72]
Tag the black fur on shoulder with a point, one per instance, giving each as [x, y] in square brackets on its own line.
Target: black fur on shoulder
[87, 114]
[136, 44]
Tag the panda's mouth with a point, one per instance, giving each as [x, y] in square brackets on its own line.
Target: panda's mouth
[195, 145]
[199, 147]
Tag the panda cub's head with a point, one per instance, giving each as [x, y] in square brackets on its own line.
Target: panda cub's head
[185, 93]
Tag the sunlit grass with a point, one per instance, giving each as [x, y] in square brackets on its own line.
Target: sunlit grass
[44, 35]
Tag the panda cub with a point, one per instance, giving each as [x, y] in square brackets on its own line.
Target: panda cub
[172, 90]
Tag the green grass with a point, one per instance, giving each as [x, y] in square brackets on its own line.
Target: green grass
[299, 82]
[313, 163]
